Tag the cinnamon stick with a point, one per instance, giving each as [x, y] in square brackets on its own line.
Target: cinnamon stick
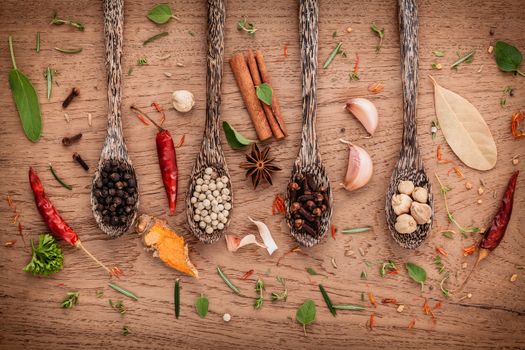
[254, 70]
[247, 89]
[261, 64]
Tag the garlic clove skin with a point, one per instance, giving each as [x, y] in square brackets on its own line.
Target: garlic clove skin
[183, 100]
[406, 187]
[420, 194]
[365, 111]
[360, 167]
[405, 224]
[420, 212]
[401, 203]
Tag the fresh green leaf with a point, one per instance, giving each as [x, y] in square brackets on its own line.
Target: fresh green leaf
[259, 288]
[70, 300]
[201, 305]
[438, 53]
[327, 300]
[264, 93]
[26, 100]
[508, 58]
[154, 37]
[311, 271]
[46, 258]
[416, 272]
[380, 33]
[306, 314]
[234, 138]
[160, 14]
[248, 27]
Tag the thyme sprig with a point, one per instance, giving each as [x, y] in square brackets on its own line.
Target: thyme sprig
[248, 27]
[259, 288]
[70, 300]
[380, 33]
[58, 21]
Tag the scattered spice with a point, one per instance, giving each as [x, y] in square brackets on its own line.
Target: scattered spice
[467, 58]
[372, 299]
[246, 26]
[364, 275]
[296, 249]
[285, 50]
[79, 160]
[439, 264]
[507, 91]
[59, 180]
[518, 125]
[389, 301]
[427, 310]
[436, 66]
[469, 250]
[58, 21]
[68, 141]
[354, 75]
[448, 234]
[10, 243]
[278, 206]
[335, 52]
[247, 274]
[154, 37]
[125, 330]
[118, 306]
[371, 322]
[376, 88]
[412, 323]
[48, 74]
[441, 251]
[99, 293]
[70, 300]
[400, 308]
[333, 231]
[74, 92]
[90, 119]
[380, 34]
[259, 165]
[444, 290]
[513, 278]
[388, 267]
[160, 110]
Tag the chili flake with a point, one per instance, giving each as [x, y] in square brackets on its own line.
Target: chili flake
[469, 250]
[376, 88]
[412, 324]
[333, 230]
[10, 244]
[371, 322]
[389, 301]
[372, 299]
[247, 274]
[517, 125]
[278, 205]
[441, 251]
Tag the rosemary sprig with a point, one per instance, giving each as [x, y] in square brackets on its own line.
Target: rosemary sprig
[154, 37]
[37, 42]
[355, 230]
[276, 296]
[352, 307]
[70, 51]
[248, 27]
[468, 58]
[177, 298]
[48, 74]
[332, 55]
[124, 291]
[228, 282]
[327, 300]
[70, 300]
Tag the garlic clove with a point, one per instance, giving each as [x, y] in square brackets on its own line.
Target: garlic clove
[365, 111]
[183, 100]
[360, 168]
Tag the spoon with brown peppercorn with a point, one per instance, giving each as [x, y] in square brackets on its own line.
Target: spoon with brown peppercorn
[114, 192]
[309, 200]
[404, 204]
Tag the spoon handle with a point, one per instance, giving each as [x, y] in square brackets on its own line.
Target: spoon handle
[308, 24]
[113, 24]
[211, 144]
[408, 30]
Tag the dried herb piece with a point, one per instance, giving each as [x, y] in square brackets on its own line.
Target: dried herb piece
[517, 125]
[468, 58]
[118, 306]
[417, 273]
[311, 271]
[356, 230]
[332, 55]
[276, 296]
[235, 139]
[37, 49]
[125, 330]
[259, 165]
[142, 61]
[201, 306]
[306, 314]
[59, 180]
[123, 291]
[228, 282]
[26, 100]
[438, 53]
[248, 27]
[57, 21]
[68, 50]
[387, 267]
[154, 37]
[49, 77]
[327, 300]
[434, 127]
[380, 34]
[440, 267]
[508, 58]
[448, 234]
[177, 298]
[70, 300]
[264, 93]
[259, 288]
[46, 258]
[160, 14]
[352, 307]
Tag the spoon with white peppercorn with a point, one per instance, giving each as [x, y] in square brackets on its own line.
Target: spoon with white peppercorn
[209, 198]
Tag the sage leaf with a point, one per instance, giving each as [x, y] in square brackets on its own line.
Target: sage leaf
[306, 314]
[465, 130]
[160, 13]
[201, 305]
[417, 273]
[508, 58]
[26, 100]
[234, 138]
[311, 271]
[264, 93]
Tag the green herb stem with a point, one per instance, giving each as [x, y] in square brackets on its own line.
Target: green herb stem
[228, 282]
[11, 51]
[49, 78]
[154, 37]
[352, 307]
[177, 298]
[463, 59]
[334, 53]
[123, 291]
[37, 42]
[59, 180]
[327, 300]
[69, 51]
[356, 230]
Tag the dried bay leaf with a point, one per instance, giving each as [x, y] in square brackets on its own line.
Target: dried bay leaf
[465, 130]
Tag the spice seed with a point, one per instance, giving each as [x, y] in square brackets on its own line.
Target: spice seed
[480, 191]
[349, 29]
[513, 278]
[167, 74]
[400, 308]
[464, 266]
[66, 117]
[469, 295]
[468, 185]
[515, 161]
[480, 201]
[361, 251]
[333, 263]
[90, 119]
[491, 48]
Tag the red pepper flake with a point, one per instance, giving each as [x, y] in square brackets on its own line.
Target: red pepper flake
[376, 88]
[285, 50]
[393, 271]
[181, 141]
[427, 310]
[371, 322]
[439, 156]
[355, 72]
[142, 119]
[372, 299]
[10, 244]
[60, 285]
[247, 274]
[21, 232]
[10, 202]
[159, 109]
[116, 272]
[334, 230]
[15, 218]
[469, 250]
[517, 125]
[441, 251]
[458, 172]
[278, 205]
[296, 249]
[412, 324]
[389, 301]
[438, 305]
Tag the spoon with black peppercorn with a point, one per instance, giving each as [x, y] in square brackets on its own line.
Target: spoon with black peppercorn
[114, 192]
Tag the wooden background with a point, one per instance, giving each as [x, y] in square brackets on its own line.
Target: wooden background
[30, 307]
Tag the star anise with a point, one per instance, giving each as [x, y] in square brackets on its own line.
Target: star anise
[259, 166]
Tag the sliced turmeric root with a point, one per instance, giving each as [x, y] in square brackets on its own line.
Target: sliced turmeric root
[169, 246]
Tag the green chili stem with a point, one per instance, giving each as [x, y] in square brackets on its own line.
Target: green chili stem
[462, 59]
[59, 180]
[177, 298]
[11, 51]
[68, 50]
[228, 282]
[37, 42]
[327, 300]
[330, 58]
[353, 307]
[124, 291]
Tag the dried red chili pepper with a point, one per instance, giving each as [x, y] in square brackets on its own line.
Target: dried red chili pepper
[167, 161]
[494, 234]
[56, 224]
[517, 128]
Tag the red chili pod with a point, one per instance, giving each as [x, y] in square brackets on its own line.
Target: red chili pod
[168, 166]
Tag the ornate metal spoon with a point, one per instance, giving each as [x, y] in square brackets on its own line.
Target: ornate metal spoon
[114, 192]
[410, 165]
[308, 171]
[211, 158]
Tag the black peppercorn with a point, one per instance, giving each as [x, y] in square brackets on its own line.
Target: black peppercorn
[114, 177]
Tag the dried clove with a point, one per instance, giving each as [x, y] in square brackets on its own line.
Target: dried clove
[80, 161]
[68, 141]
[74, 92]
[295, 207]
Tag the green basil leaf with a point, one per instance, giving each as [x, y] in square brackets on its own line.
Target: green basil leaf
[26, 100]
[160, 13]
[234, 138]
[508, 57]
[311, 271]
[201, 305]
[416, 272]
[306, 313]
[264, 93]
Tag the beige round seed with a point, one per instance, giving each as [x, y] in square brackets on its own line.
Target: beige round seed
[349, 29]
[468, 185]
[400, 308]
[513, 278]
[515, 161]
[480, 191]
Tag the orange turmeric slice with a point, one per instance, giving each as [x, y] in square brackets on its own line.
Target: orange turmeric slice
[169, 246]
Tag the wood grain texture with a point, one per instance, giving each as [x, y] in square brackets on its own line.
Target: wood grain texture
[29, 307]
